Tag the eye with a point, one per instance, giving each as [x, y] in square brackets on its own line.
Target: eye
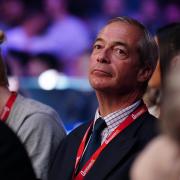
[119, 51]
[122, 53]
[97, 46]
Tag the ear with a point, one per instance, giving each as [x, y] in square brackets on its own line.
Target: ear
[144, 74]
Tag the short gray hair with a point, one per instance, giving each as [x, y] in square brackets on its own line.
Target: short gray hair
[147, 47]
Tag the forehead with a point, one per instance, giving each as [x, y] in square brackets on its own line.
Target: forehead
[120, 31]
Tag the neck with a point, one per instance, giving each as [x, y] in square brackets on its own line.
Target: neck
[109, 103]
[4, 95]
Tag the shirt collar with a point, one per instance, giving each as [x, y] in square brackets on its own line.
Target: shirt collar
[115, 118]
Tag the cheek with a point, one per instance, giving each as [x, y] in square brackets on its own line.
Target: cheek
[92, 57]
[125, 73]
[91, 62]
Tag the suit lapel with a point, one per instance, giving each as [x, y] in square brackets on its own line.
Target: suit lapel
[115, 152]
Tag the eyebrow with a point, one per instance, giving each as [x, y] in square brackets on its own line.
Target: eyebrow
[115, 43]
[98, 39]
[119, 43]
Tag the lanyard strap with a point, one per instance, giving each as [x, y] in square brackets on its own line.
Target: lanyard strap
[88, 165]
[8, 106]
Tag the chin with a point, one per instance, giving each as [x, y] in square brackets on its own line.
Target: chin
[99, 85]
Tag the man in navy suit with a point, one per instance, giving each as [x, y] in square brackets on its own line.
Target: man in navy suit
[122, 61]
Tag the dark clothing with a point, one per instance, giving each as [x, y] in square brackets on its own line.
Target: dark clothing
[14, 161]
[115, 160]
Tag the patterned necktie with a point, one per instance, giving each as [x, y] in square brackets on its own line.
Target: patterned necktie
[94, 142]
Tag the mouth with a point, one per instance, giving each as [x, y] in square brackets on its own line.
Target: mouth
[100, 72]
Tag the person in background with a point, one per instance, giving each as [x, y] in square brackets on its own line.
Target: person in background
[67, 35]
[122, 61]
[168, 39]
[25, 36]
[171, 99]
[42, 62]
[37, 125]
[160, 160]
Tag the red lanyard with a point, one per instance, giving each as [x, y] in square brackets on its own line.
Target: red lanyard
[130, 119]
[8, 106]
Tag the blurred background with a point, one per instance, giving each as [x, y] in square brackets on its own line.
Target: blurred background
[48, 43]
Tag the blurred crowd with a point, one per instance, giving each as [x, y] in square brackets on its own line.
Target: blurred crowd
[57, 34]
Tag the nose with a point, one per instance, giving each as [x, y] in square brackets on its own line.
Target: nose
[103, 57]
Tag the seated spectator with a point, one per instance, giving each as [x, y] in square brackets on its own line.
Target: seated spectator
[168, 39]
[161, 158]
[41, 62]
[171, 100]
[24, 37]
[67, 36]
[37, 125]
[122, 61]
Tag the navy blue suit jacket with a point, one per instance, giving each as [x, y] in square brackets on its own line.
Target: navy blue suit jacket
[115, 160]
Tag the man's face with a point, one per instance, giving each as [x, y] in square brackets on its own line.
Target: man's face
[114, 62]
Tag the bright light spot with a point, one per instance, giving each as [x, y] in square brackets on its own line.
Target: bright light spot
[48, 79]
[51, 79]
